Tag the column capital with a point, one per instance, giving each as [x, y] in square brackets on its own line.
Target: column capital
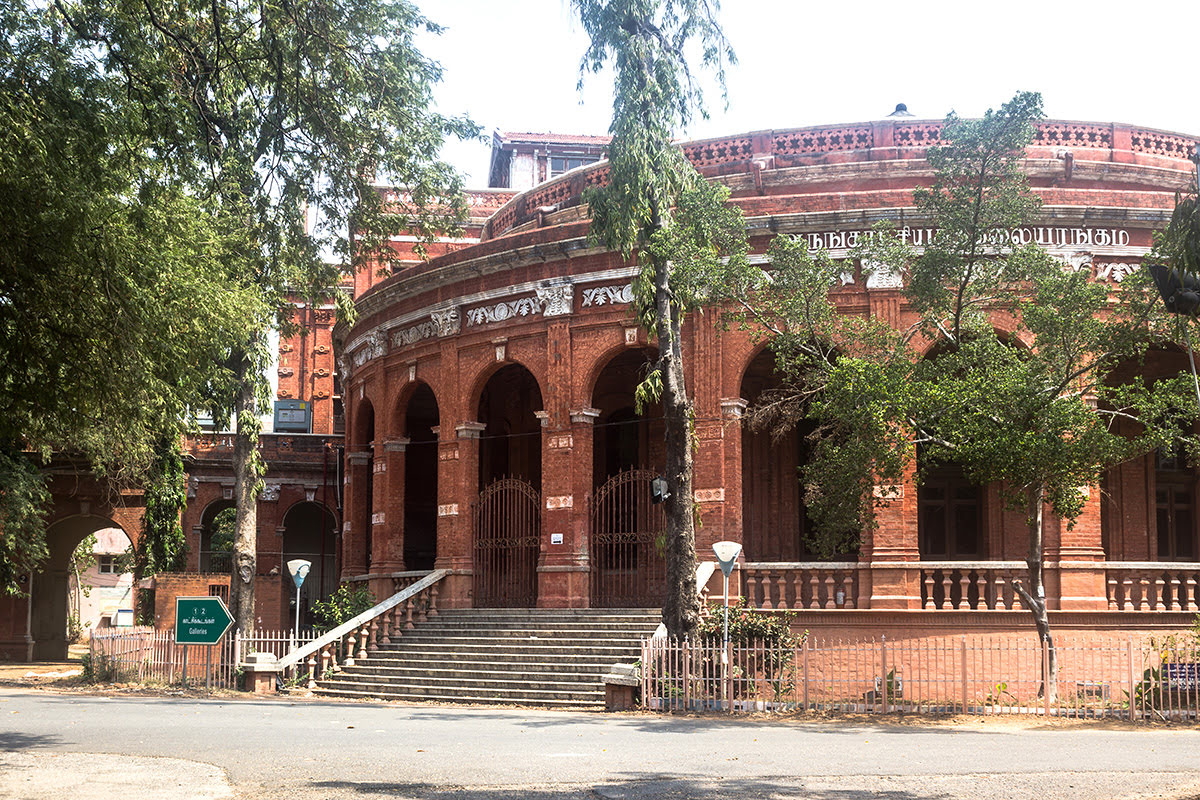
[586, 416]
[733, 407]
[470, 429]
[397, 445]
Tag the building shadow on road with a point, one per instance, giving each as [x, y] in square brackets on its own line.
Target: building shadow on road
[634, 788]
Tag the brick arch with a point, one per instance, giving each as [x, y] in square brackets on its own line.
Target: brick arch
[397, 426]
[602, 360]
[480, 379]
[361, 435]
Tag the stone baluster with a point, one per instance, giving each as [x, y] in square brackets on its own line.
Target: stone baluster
[362, 642]
[408, 614]
[964, 588]
[374, 636]
[433, 596]
[1127, 590]
[423, 607]
[1160, 588]
[981, 583]
[798, 590]
[998, 602]
[326, 655]
[350, 642]
[1016, 604]
[781, 585]
[814, 598]
[1144, 595]
[764, 586]
[947, 599]
[1112, 595]
[386, 627]
[929, 605]
[1190, 596]
[830, 596]
[312, 671]
[848, 587]
[1175, 584]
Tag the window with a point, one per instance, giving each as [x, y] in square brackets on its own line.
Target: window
[106, 565]
[561, 164]
[949, 526]
[1175, 498]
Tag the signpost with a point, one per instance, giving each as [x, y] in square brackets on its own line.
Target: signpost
[200, 620]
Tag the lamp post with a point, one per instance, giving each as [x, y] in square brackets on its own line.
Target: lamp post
[727, 554]
[299, 568]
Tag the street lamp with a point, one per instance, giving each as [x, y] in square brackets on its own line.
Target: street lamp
[727, 555]
[299, 569]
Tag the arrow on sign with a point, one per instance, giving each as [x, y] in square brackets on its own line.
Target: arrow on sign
[200, 620]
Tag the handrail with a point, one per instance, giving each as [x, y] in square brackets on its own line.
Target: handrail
[371, 613]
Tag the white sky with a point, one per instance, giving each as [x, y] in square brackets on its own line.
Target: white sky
[513, 65]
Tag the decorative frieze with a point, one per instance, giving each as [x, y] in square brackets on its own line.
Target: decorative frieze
[380, 465]
[522, 307]
[447, 321]
[560, 442]
[608, 295]
[560, 501]
[709, 495]
[378, 518]
[888, 491]
[556, 300]
[270, 493]
[448, 510]
[733, 407]
[417, 333]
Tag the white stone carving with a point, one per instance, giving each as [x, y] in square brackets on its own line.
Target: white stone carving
[1114, 272]
[447, 322]
[417, 333]
[608, 295]
[556, 300]
[374, 347]
[500, 312]
[270, 493]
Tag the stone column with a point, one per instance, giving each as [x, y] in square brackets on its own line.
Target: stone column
[563, 562]
[357, 516]
[733, 411]
[394, 455]
[1080, 556]
[458, 487]
[892, 550]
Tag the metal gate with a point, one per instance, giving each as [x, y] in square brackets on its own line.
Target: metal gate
[508, 527]
[627, 567]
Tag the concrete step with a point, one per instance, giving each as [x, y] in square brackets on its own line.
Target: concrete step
[552, 658]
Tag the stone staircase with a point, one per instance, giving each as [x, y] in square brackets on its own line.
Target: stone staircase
[534, 657]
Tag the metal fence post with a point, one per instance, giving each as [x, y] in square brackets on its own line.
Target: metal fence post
[963, 651]
[883, 682]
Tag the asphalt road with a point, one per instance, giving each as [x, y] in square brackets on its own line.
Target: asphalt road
[305, 749]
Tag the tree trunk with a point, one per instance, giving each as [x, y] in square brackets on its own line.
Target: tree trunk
[1035, 598]
[681, 610]
[245, 484]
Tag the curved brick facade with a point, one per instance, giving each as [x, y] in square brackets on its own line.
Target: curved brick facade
[516, 352]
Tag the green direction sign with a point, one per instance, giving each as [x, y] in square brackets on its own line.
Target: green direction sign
[200, 620]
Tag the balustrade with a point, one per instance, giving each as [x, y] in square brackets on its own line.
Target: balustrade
[802, 585]
[1153, 586]
[361, 636]
[970, 585]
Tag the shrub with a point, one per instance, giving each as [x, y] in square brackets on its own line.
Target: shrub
[344, 604]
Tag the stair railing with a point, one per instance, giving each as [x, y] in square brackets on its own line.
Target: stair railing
[381, 624]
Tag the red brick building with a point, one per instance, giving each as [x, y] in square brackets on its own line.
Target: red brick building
[490, 425]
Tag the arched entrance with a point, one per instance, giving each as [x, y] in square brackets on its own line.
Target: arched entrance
[216, 542]
[361, 456]
[775, 523]
[50, 586]
[421, 417]
[627, 565]
[310, 533]
[507, 515]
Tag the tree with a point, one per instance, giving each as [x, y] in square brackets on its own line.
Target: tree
[1039, 407]
[113, 310]
[280, 118]
[657, 205]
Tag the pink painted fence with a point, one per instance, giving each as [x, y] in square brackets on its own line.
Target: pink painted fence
[1098, 676]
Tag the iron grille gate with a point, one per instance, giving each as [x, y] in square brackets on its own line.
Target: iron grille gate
[628, 570]
[508, 526]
